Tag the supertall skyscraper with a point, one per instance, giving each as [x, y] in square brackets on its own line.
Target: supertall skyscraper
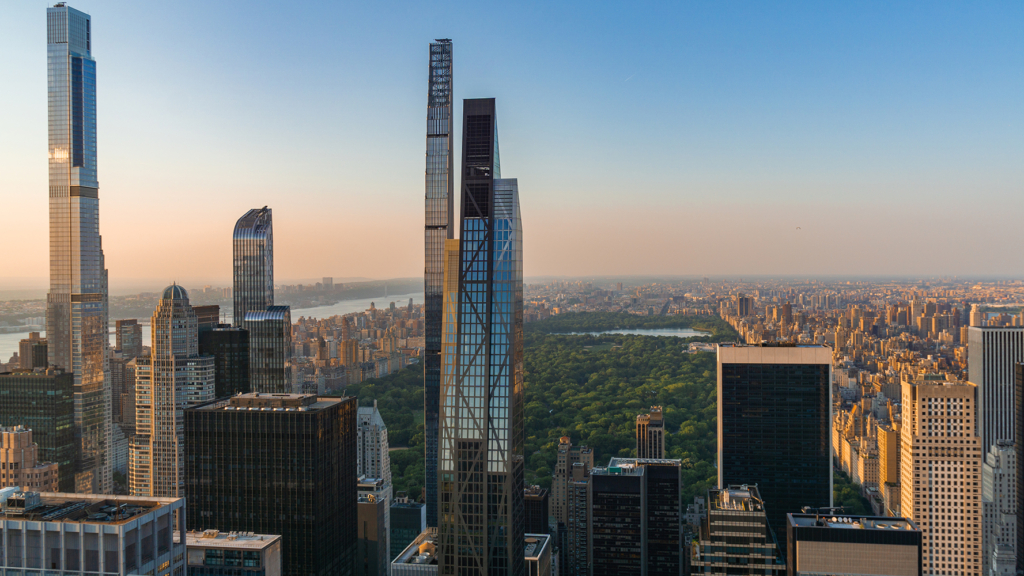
[76, 306]
[480, 469]
[253, 267]
[440, 209]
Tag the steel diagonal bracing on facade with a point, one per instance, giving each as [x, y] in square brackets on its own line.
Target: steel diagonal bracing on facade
[440, 206]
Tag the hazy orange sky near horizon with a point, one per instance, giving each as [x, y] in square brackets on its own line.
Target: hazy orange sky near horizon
[717, 139]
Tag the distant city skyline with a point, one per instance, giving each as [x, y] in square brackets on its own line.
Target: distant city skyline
[673, 139]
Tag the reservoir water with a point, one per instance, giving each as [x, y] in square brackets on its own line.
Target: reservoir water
[677, 332]
[9, 342]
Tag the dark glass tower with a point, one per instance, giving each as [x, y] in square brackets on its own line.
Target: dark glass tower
[230, 350]
[1018, 433]
[253, 263]
[270, 349]
[281, 464]
[76, 306]
[480, 469]
[44, 402]
[774, 426]
[440, 209]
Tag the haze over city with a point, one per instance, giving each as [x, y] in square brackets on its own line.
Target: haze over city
[676, 138]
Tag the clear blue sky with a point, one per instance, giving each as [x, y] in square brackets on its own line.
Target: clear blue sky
[670, 138]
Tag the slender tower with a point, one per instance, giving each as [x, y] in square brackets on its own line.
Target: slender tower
[76, 306]
[253, 268]
[440, 208]
[480, 470]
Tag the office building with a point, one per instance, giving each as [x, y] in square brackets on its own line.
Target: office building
[304, 456]
[537, 554]
[650, 434]
[1018, 431]
[79, 534]
[76, 305]
[372, 528]
[419, 558]
[635, 518]
[774, 426]
[535, 504]
[129, 338]
[229, 347]
[372, 445]
[174, 377]
[735, 537]
[207, 317]
[481, 444]
[992, 354]
[44, 402]
[32, 352]
[440, 210]
[253, 268]
[998, 502]
[574, 534]
[270, 349]
[568, 455]
[19, 462]
[215, 553]
[852, 545]
[119, 385]
[408, 520]
[940, 469]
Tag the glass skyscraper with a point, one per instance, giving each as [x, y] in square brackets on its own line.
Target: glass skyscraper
[270, 349]
[76, 306]
[253, 265]
[440, 208]
[480, 469]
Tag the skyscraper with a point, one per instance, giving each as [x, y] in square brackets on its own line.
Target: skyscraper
[270, 349]
[998, 501]
[129, 338]
[774, 426]
[76, 305]
[173, 377]
[735, 537]
[277, 464]
[253, 268]
[229, 347]
[568, 456]
[940, 468]
[480, 469]
[44, 402]
[991, 356]
[440, 209]
[650, 434]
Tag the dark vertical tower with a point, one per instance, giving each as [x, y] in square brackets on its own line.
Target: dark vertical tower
[774, 426]
[229, 347]
[76, 306]
[253, 267]
[440, 202]
[480, 469]
[277, 464]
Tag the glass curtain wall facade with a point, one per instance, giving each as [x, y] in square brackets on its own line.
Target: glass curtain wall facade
[173, 377]
[270, 349]
[480, 469]
[230, 350]
[44, 402]
[253, 267]
[76, 305]
[283, 465]
[440, 209]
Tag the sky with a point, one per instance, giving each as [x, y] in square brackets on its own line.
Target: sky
[662, 138]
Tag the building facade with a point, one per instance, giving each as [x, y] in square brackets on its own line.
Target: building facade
[735, 537]
[216, 553]
[129, 337]
[171, 379]
[270, 349]
[20, 464]
[568, 456]
[940, 468]
[76, 305]
[408, 520]
[650, 434]
[998, 502]
[853, 545]
[253, 268]
[440, 211]
[774, 426]
[372, 445]
[535, 501]
[229, 347]
[373, 531]
[44, 402]
[33, 352]
[79, 534]
[481, 421]
[303, 451]
[992, 354]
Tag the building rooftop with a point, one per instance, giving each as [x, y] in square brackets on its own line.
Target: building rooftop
[422, 550]
[535, 545]
[744, 497]
[843, 522]
[81, 508]
[218, 539]
[266, 402]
